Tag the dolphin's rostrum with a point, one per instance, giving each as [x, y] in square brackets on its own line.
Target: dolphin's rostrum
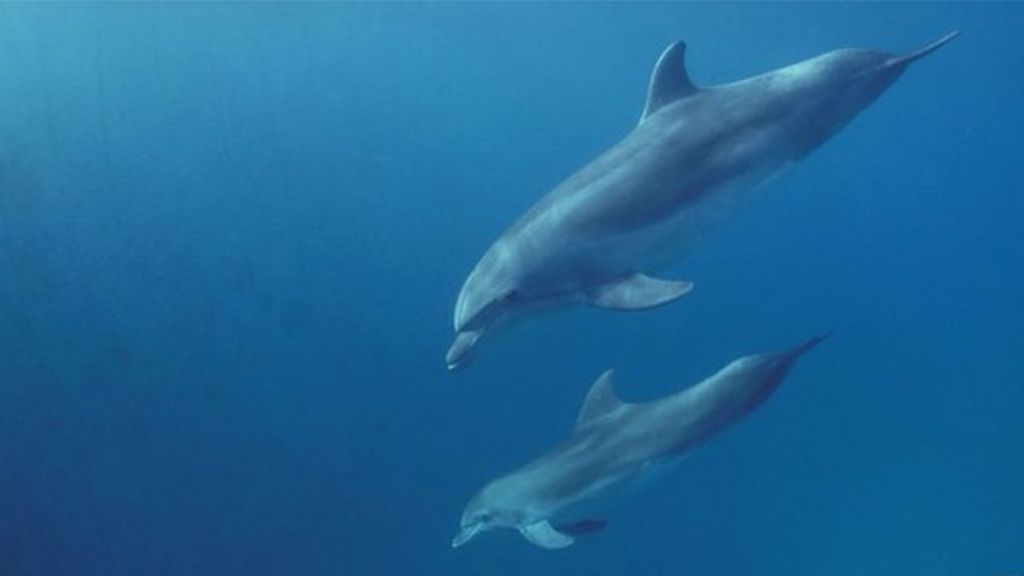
[695, 154]
[614, 443]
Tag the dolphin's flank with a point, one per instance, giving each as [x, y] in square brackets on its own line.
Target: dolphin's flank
[614, 443]
[697, 153]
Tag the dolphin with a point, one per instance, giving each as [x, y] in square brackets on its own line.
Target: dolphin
[695, 153]
[615, 443]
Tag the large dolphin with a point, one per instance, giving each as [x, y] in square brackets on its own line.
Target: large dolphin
[614, 443]
[695, 153]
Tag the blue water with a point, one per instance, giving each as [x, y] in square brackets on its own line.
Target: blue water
[231, 236]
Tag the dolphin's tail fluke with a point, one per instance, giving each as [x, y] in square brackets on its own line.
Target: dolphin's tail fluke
[908, 58]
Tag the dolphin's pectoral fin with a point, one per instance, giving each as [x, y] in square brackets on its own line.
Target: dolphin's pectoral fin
[584, 527]
[543, 535]
[669, 80]
[636, 292]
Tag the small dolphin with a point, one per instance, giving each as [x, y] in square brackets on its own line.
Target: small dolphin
[696, 153]
[613, 444]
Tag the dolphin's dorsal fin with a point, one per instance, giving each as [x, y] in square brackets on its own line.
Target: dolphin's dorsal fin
[669, 81]
[600, 401]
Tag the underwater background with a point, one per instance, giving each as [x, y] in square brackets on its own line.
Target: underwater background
[231, 237]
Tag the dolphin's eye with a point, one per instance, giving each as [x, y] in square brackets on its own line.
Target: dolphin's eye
[483, 517]
[512, 296]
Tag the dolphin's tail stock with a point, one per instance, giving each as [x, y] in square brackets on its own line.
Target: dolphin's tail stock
[789, 357]
[808, 345]
[918, 54]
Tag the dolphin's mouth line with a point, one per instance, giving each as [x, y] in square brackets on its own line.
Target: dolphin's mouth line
[466, 534]
[468, 338]
[462, 347]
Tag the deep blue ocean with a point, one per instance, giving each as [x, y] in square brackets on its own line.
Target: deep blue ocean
[231, 238]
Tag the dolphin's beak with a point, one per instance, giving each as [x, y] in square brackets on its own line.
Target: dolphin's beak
[908, 58]
[459, 353]
[467, 534]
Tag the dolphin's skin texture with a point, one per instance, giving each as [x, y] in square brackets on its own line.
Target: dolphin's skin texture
[693, 155]
[614, 443]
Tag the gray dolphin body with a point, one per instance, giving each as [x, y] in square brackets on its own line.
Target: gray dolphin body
[693, 155]
[614, 443]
